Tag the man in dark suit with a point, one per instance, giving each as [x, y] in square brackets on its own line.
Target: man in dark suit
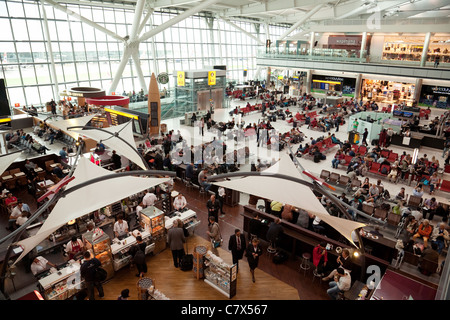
[237, 245]
[253, 251]
[213, 207]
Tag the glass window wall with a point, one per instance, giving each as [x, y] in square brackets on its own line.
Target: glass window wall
[84, 55]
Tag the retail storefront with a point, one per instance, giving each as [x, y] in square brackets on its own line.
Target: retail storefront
[435, 96]
[340, 86]
[388, 91]
[410, 48]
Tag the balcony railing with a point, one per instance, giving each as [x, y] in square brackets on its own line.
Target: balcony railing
[316, 54]
[339, 55]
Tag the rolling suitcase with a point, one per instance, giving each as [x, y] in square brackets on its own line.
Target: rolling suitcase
[187, 262]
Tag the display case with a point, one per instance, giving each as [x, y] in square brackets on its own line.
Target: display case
[101, 247]
[62, 284]
[120, 249]
[152, 220]
[189, 218]
[220, 275]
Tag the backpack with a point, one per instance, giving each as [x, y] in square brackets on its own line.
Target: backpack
[384, 170]
[139, 256]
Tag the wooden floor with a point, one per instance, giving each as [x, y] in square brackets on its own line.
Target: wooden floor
[183, 285]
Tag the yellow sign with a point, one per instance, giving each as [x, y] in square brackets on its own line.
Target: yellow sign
[121, 113]
[329, 82]
[211, 78]
[180, 78]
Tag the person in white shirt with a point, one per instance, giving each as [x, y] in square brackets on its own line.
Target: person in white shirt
[22, 218]
[120, 227]
[16, 213]
[149, 199]
[40, 264]
[74, 247]
[221, 198]
[342, 282]
[180, 202]
[139, 208]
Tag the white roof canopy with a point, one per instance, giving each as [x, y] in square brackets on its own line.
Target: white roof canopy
[289, 192]
[125, 131]
[6, 160]
[64, 124]
[88, 198]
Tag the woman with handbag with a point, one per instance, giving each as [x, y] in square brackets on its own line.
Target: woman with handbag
[214, 234]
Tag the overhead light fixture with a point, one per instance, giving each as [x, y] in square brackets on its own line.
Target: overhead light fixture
[71, 222]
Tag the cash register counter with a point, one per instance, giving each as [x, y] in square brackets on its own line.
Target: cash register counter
[62, 284]
[120, 248]
[189, 218]
[298, 240]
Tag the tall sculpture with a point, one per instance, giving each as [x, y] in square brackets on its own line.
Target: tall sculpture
[154, 106]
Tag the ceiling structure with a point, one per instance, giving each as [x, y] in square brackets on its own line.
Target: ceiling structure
[311, 13]
[302, 18]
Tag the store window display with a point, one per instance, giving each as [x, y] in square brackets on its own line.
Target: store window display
[388, 91]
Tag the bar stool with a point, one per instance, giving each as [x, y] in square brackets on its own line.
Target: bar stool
[188, 183]
[317, 275]
[271, 248]
[305, 262]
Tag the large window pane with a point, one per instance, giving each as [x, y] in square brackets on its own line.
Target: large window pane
[32, 10]
[46, 93]
[32, 95]
[5, 28]
[15, 9]
[20, 29]
[35, 30]
[16, 96]
[43, 73]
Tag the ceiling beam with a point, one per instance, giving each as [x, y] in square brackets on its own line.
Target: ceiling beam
[203, 5]
[270, 6]
[243, 31]
[83, 19]
[301, 21]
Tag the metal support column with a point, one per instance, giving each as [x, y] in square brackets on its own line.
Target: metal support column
[50, 52]
[363, 45]
[426, 45]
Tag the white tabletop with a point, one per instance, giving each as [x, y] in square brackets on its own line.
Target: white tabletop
[55, 277]
[19, 174]
[7, 177]
[181, 215]
[129, 241]
[46, 183]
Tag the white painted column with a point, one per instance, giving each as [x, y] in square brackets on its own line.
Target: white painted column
[308, 81]
[50, 53]
[426, 45]
[311, 44]
[119, 71]
[363, 45]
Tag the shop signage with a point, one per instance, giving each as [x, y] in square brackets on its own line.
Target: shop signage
[163, 78]
[211, 78]
[180, 78]
[441, 90]
[344, 41]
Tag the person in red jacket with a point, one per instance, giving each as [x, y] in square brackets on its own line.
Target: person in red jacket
[424, 231]
[320, 258]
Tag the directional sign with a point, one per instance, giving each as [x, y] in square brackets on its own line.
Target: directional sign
[211, 78]
[180, 78]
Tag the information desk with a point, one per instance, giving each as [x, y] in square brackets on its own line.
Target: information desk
[189, 218]
[298, 240]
